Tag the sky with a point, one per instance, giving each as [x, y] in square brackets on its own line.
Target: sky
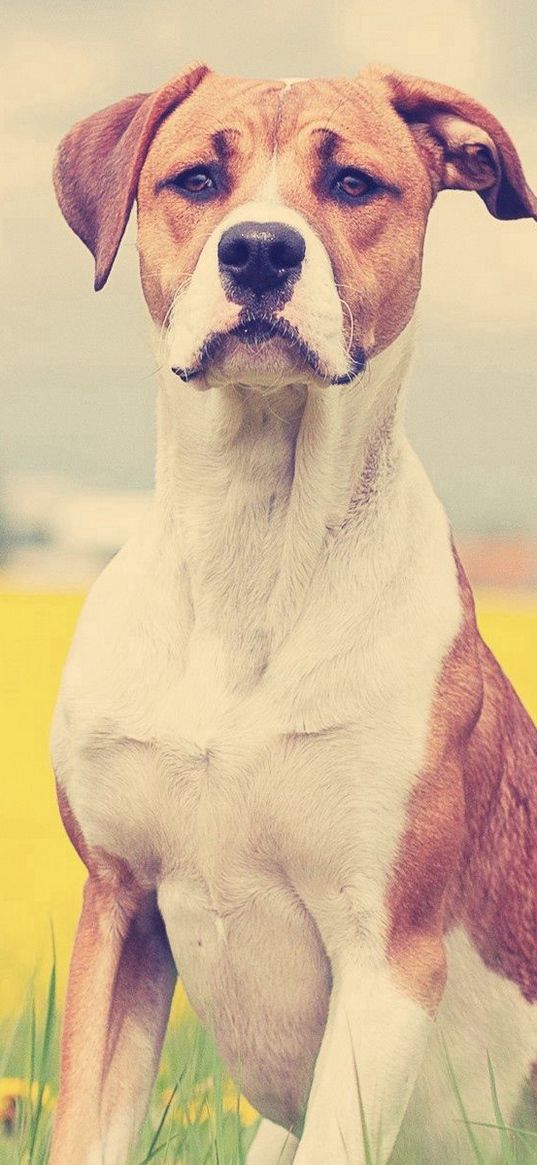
[77, 375]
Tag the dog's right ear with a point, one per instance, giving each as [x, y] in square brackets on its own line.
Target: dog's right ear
[98, 165]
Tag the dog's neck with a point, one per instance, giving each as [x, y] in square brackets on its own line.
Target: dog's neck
[253, 485]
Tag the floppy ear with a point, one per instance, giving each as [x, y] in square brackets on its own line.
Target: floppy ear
[98, 165]
[463, 145]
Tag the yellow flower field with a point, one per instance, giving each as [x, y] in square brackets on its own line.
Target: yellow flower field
[40, 876]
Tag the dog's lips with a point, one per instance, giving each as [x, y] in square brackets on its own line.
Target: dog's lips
[257, 332]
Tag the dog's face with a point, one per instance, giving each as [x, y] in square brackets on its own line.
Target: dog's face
[281, 227]
[294, 220]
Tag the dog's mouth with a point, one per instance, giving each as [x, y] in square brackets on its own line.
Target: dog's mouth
[258, 330]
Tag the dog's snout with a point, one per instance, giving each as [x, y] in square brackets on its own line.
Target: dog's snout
[260, 256]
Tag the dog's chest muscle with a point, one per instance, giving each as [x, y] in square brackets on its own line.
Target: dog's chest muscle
[175, 757]
[266, 815]
[244, 794]
[267, 837]
[190, 777]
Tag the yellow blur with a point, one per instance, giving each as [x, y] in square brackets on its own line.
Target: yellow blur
[40, 876]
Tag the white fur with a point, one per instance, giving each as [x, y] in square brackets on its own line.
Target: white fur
[245, 713]
[272, 1146]
[480, 1012]
[114, 1150]
[372, 1050]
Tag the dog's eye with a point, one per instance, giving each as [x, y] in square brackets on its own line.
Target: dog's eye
[196, 183]
[352, 185]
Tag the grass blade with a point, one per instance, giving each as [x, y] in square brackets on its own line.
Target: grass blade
[365, 1131]
[27, 1109]
[161, 1148]
[509, 1128]
[460, 1104]
[46, 1048]
[505, 1142]
[160, 1126]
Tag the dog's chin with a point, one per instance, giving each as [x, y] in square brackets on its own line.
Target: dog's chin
[267, 354]
[269, 363]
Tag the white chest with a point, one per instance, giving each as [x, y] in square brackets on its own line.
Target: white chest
[269, 847]
[300, 778]
[263, 806]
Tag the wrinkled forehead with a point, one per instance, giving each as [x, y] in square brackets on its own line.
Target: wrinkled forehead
[231, 115]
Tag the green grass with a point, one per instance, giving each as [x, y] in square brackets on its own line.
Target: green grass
[196, 1117]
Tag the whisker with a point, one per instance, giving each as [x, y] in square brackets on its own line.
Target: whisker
[177, 296]
[154, 372]
[348, 346]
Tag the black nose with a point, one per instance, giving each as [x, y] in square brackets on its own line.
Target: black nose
[260, 256]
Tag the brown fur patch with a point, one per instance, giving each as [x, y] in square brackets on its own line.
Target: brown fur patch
[430, 848]
[120, 982]
[495, 892]
[111, 874]
[469, 852]
[98, 165]
[173, 230]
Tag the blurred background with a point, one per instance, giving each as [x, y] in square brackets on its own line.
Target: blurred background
[78, 378]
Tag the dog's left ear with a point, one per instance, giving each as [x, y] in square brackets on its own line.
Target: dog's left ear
[98, 165]
[462, 144]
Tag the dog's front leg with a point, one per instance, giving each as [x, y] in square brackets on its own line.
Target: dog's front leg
[370, 1056]
[120, 988]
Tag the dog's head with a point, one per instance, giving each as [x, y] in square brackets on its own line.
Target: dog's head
[281, 226]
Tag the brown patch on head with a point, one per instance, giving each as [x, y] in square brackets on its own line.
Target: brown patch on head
[229, 125]
[413, 138]
[376, 244]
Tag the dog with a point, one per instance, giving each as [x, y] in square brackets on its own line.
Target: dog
[294, 771]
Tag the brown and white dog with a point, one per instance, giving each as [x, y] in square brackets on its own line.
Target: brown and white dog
[291, 766]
